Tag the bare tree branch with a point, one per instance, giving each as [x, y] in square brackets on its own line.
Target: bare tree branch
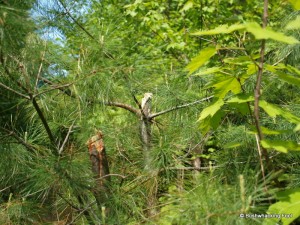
[179, 107]
[66, 138]
[14, 91]
[39, 71]
[124, 106]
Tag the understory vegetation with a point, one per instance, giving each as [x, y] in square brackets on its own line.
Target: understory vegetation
[149, 112]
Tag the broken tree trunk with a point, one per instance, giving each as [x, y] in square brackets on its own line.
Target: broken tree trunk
[145, 129]
[145, 133]
[100, 167]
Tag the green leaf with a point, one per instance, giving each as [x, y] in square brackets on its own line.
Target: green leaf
[232, 145]
[260, 33]
[224, 84]
[292, 69]
[241, 60]
[282, 75]
[273, 111]
[251, 69]
[241, 98]
[294, 24]
[211, 122]
[288, 78]
[295, 4]
[254, 28]
[267, 131]
[288, 207]
[212, 109]
[223, 29]
[202, 58]
[188, 5]
[281, 146]
[208, 71]
[297, 128]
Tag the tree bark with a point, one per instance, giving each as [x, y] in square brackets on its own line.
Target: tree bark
[100, 167]
[145, 129]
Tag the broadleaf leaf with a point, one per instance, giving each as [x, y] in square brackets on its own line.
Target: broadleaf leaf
[288, 205]
[280, 145]
[202, 58]
[273, 111]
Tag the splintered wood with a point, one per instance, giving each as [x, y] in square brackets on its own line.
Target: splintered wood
[98, 157]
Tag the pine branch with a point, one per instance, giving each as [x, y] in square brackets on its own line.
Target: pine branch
[43, 119]
[179, 107]
[75, 21]
[114, 104]
[19, 140]
[52, 89]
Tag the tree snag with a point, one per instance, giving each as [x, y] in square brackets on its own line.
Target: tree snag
[100, 166]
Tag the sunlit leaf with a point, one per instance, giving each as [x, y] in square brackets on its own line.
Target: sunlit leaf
[288, 208]
[251, 69]
[293, 69]
[223, 29]
[297, 128]
[274, 111]
[254, 28]
[212, 109]
[232, 145]
[208, 71]
[241, 98]
[242, 60]
[294, 24]
[226, 84]
[260, 33]
[288, 78]
[295, 4]
[211, 122]
[268, 131]
[202, 58]
[280, 145]
[188, 5]
[283, 75]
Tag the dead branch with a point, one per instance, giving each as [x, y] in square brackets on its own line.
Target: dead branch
[14, 91]
[179, 107]
[66, 138]
[123, 106]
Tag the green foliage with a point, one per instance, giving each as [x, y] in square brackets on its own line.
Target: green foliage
[287, 207]
[202, 58]
[295, 4]
[195, 207]
[204, 167]
[254, 28]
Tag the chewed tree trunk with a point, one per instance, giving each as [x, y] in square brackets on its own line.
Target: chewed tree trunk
[145, 134]
[145, 131]
[100, 166]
